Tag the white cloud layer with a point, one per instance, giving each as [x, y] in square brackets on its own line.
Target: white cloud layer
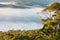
[9, 14]
[24, 19]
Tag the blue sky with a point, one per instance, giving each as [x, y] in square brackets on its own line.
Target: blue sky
[40, 2]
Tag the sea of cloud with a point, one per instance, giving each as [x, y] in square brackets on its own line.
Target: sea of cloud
[20, 19]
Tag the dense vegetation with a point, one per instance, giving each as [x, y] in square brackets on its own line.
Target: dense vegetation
[46, 34]
[50, 31]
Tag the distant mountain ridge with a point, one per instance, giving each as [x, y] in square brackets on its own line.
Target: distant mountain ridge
[44, 3]
[28, 3]
[11, 5]
[18, 5]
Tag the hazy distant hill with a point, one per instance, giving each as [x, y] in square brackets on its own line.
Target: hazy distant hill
[44, 3]
[15, 4]
[12, 6]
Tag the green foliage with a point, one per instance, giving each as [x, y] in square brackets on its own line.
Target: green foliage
[42, 34]
[45, 34]
[54, 22]
[53, 7]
